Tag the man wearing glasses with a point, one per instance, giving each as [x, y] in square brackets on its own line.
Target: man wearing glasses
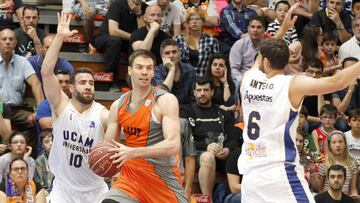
[123, 17]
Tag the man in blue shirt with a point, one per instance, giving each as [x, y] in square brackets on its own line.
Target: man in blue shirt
[178, 77]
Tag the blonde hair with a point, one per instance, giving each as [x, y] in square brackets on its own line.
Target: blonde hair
[329, 156]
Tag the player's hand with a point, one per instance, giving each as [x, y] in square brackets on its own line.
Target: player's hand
[63, 28]
[169, 65]
[223, 154]
[31, 119]
[27, 152]
[214, 148]
[3, 147]
[123, 153]
[31, 31]
[154, 27]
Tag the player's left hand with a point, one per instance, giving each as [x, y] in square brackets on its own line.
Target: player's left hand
[123, 153]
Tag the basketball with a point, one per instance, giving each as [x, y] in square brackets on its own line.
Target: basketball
[100, 162]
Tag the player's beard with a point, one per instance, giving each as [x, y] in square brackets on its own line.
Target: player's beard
[82, 99]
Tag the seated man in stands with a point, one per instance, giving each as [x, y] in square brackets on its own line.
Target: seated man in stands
[214, 134]
[150, 36]
[37, 60]
[123, 17]
[171, 21]
[178, 77]
[29, 37]
[15, 70]
[87, 11]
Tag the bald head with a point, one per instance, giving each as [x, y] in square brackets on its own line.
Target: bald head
[153, 14]
[7, 41]
[47, 41]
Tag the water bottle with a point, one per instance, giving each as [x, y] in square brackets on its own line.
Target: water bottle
[221, 139]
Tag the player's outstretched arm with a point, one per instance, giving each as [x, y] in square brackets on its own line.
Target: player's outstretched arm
[303, 85]
[51, 87]
[112, 130]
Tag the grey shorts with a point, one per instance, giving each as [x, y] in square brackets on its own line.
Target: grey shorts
[118, 196]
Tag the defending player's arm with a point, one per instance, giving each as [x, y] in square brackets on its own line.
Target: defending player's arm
[112, 123]
[303, 85]
[52, 89]
[104, 114]
[169, 112]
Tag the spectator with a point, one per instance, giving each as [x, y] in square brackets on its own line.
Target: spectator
[337, 153]
[234, 20]
[29, 37]
[336, 176]
[208, 123]
[37, 60]
[328, 115]
[87, 11]
[7, 9]
[43, 176]
[195, 45]
[334, 19]
[355, 8]
[281, 8]
[19, 187]
[178, 77]
[351, 47]
[304, 126]
[244, 50]
[329, 58]
[18, 148]
[150, 36]
[224, 88]
[14, 70]
[5, 126]
[211, 17]
[353, 135]
[114, 33]
[171, 21]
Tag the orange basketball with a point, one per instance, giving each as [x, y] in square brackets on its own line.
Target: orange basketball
[100, 162]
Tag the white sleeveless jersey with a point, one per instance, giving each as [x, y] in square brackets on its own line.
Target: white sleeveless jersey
[74, 135]
[269, 156]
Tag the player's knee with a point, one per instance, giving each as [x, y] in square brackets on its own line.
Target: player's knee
[207, 158]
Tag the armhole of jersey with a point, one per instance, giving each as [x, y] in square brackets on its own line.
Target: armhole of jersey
[61, 114]
[122, 99]
[157, 93]
[288, 97]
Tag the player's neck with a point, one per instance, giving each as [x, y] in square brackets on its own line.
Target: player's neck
[138, 94]
[273, 72]
[336, 195]
[80, 107]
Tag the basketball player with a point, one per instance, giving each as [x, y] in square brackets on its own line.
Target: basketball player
[79, 124]
[149, 118]
[271, 101]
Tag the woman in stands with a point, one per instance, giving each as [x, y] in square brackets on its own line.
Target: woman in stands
[196, 46]
[336, 153]
[18, 187]
[224, 88]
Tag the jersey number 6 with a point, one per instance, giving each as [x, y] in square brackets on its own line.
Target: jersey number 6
[253, 128]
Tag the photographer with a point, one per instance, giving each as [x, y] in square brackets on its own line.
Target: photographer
[214, 134]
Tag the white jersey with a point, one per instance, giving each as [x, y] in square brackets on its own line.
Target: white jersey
[74, 135]
[269, 160]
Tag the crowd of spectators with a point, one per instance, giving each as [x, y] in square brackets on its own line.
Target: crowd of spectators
[203, 49]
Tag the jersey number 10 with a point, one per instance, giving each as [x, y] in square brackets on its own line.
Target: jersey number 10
[75, 160]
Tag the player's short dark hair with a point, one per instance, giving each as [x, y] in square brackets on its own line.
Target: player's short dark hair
[304, 111]
[141, 52]
[168, 42]
[31, 8]
[276, 51]
[282, 2]
[329, 109]
[337, 167]
[203, 81]
[80, 70]
[258, 18]
[355, 113]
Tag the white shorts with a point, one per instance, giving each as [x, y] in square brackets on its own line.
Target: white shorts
[285, 184]
[65, 194]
